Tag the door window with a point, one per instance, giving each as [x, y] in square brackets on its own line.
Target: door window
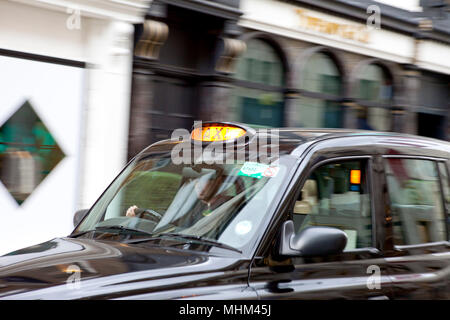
[337, 195]
[446, 188]
[416, 201]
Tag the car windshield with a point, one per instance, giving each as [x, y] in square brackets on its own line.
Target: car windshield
[153, 197]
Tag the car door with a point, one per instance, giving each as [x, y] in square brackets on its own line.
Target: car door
[419, 201]
[336, 192]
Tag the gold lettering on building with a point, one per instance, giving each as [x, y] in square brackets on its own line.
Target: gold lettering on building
[347, 31]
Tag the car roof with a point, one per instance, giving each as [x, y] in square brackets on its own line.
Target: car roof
[407, 143]
[317, 134]
[290, 138]
[310, 134]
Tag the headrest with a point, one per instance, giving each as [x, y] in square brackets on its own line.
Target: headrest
[310, 188]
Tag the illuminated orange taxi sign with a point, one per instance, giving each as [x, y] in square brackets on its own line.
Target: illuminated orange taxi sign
[355, 176]
[217, 132]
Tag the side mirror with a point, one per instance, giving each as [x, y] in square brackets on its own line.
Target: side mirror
[312, 241]
[78, 216]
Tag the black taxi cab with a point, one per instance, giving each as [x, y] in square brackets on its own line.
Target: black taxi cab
[231, 212]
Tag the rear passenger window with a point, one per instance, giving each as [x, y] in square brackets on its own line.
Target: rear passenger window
[337, 195]
[416, 201]
[446, 186]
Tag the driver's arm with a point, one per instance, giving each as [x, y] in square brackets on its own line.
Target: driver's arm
[131, 211]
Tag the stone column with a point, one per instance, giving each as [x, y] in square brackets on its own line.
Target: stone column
[142, 93]
[215, 95]
[398, 115]
[350, 111]
[290, 112]
[215, 100]
[411, 91]
[154, 35]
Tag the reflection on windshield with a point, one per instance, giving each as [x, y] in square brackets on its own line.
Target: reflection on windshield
[223, 202]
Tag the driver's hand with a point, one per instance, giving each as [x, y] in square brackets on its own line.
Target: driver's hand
[131, 211]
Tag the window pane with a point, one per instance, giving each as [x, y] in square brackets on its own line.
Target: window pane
[321, 75]
[318, 113]
[375, 84]
[337, 195]
[258, 107]
[446, 185]
[416, 201]
[260, 64]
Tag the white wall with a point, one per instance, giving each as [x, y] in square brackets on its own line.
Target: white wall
[55, 93]
[410, 5]
[40, 31]
[107, 113]
[434, 56]
[104, 43]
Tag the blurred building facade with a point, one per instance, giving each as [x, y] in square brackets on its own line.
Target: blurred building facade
[293, 63]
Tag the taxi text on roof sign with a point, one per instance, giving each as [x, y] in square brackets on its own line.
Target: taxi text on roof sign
[217, 132]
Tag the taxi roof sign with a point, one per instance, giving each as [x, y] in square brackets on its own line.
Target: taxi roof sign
[216, 132]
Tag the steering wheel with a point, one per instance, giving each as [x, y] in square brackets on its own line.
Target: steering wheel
[155, 216]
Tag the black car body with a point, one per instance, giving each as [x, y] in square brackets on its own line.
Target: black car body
[395, 249]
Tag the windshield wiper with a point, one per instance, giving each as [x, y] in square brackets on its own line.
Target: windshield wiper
[120, 229]
[106, 228]
[158, 237]
[186, 237]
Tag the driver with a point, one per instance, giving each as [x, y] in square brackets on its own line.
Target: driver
[205, 189]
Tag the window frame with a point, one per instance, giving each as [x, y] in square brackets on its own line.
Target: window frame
[369, 162]
[387, 73]
[323, 94]
[249, 84]
[267, 87]
[367, 104]
[446, 206]
[436, 160]
[298, 91]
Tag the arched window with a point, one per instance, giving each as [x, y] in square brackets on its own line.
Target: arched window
[258, 97]
[321, 88]
[375, 93]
